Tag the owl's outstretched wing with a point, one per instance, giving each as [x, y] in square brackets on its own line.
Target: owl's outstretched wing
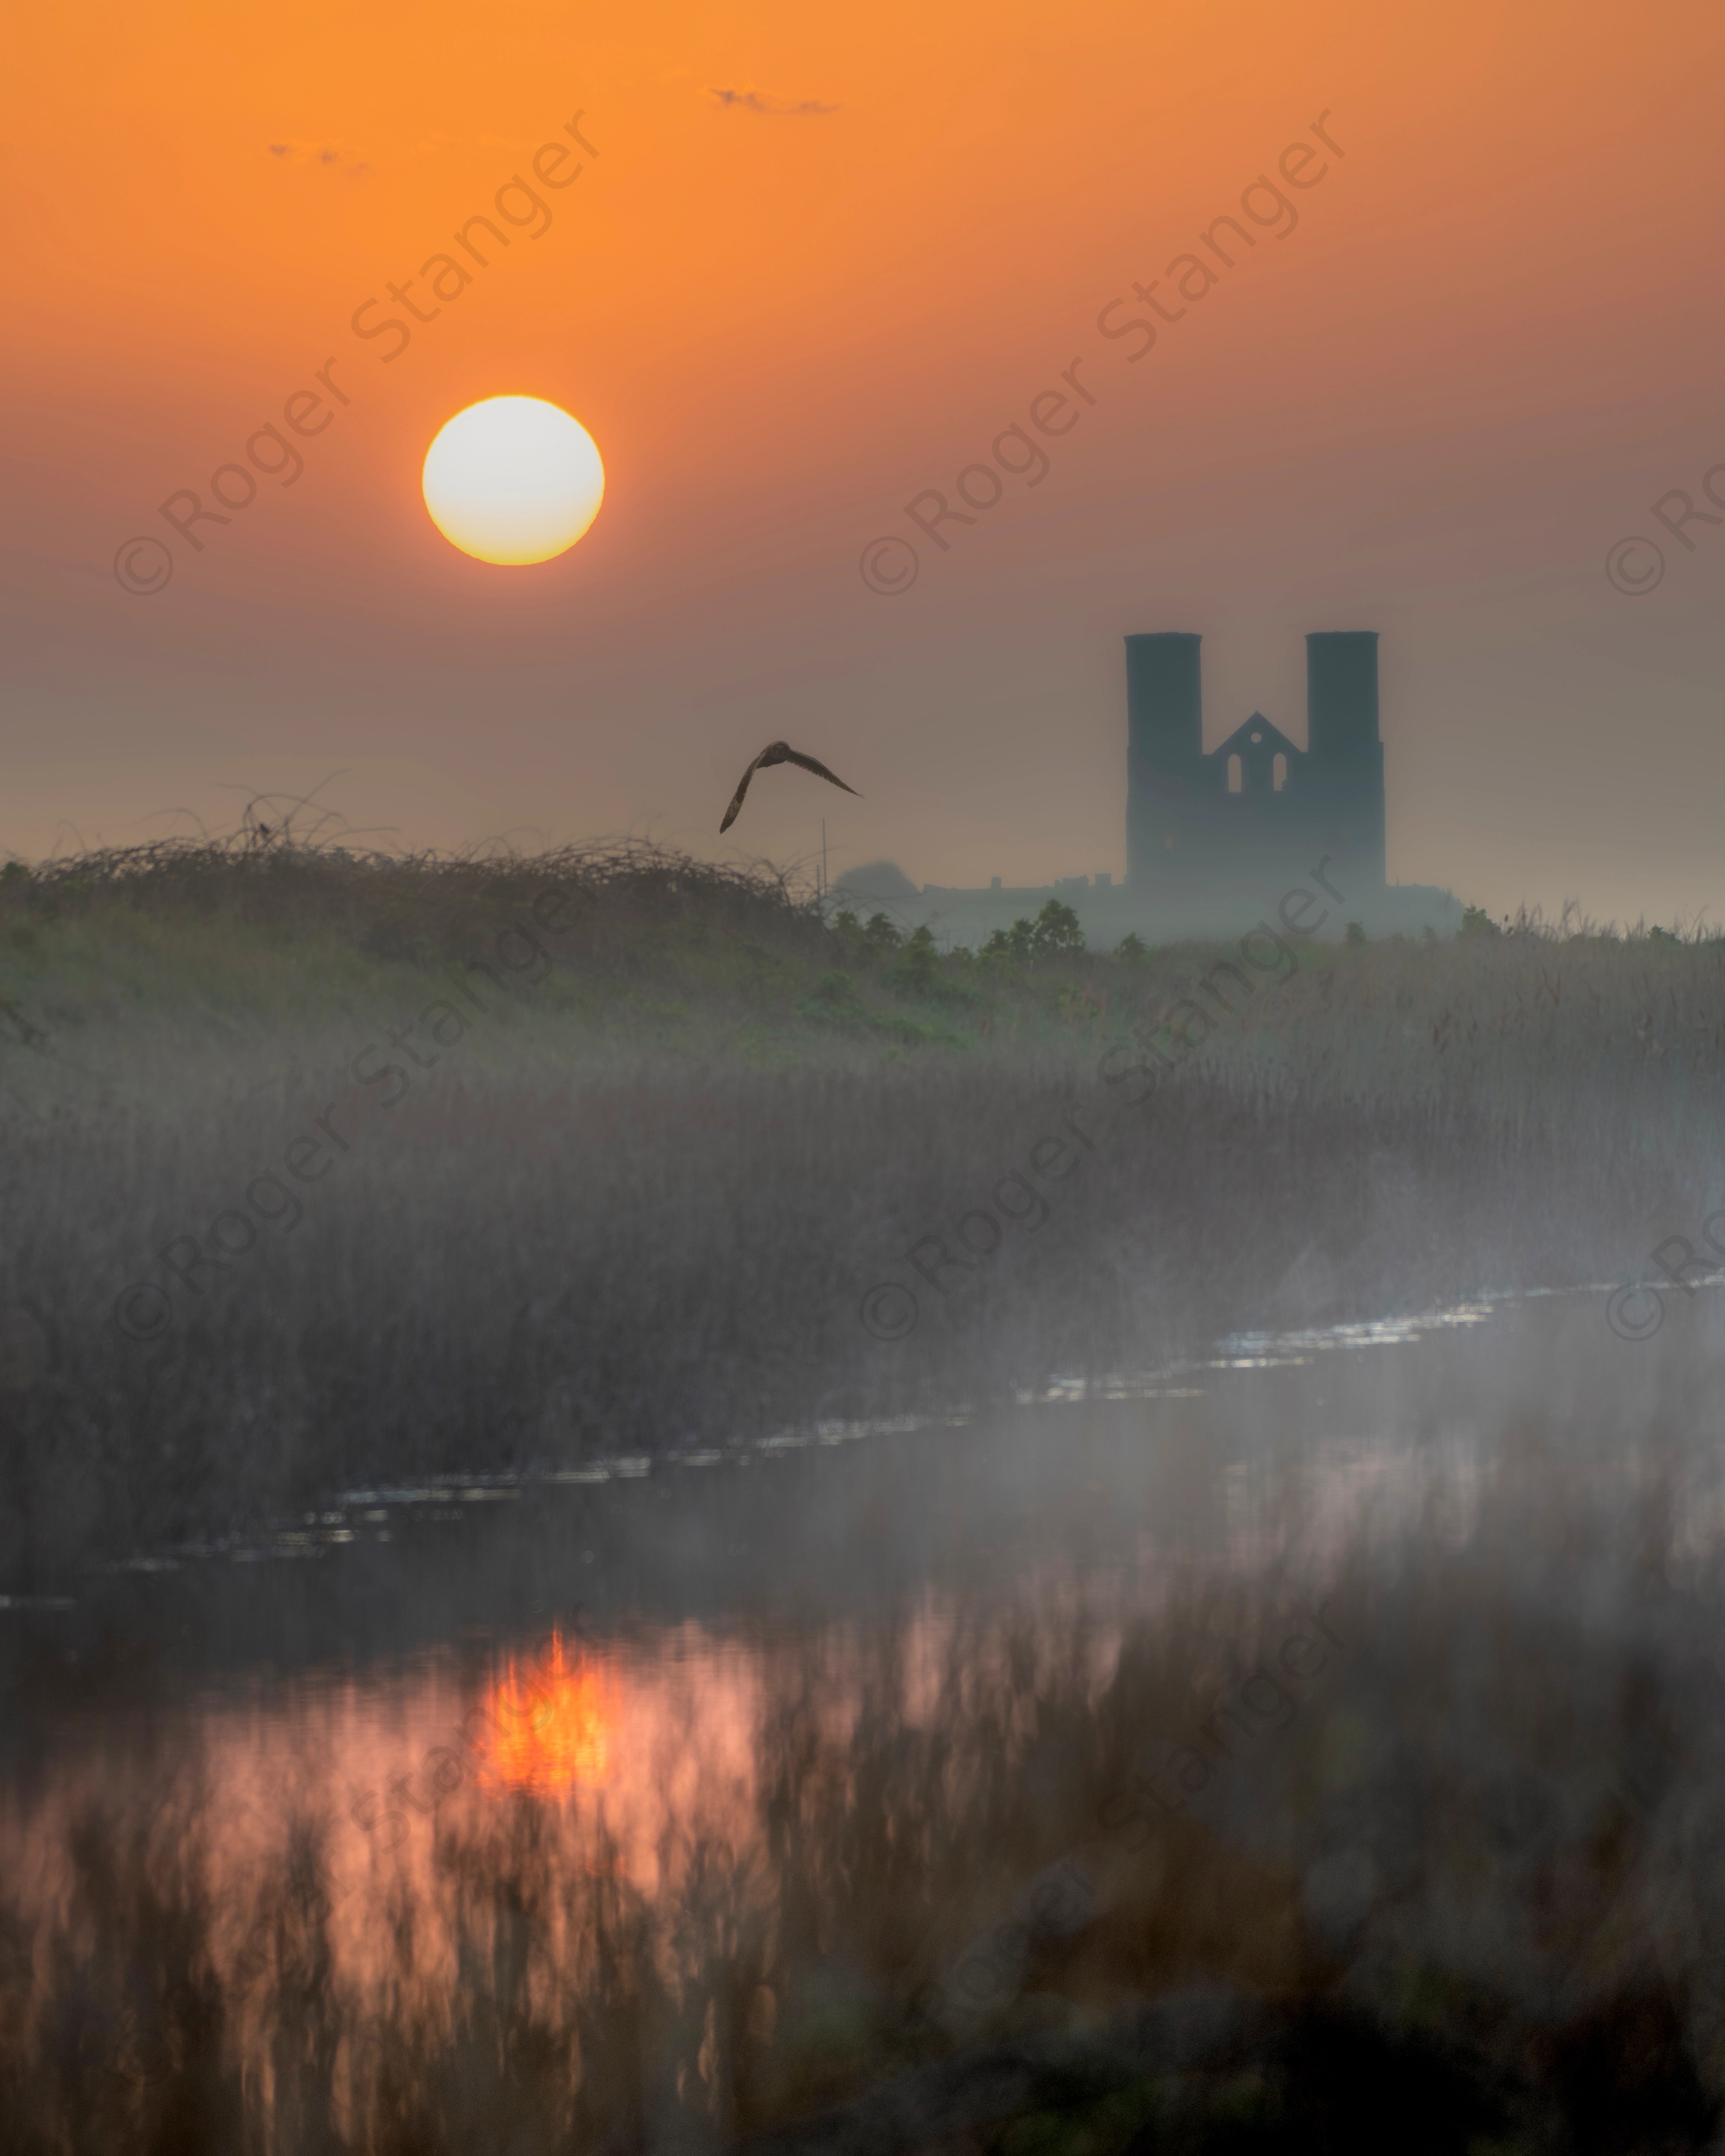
[742, 788]
[820, 771]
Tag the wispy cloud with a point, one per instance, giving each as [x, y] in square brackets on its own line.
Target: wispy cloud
[773, 108]
[314, 153]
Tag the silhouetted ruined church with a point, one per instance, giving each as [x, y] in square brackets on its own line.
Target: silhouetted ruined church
[1255, 807]
[1210, 840]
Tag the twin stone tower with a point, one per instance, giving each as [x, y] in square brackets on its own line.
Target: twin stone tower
[1214, 839]
[1256, 808]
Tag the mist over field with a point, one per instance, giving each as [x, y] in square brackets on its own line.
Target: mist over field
[607, 1154]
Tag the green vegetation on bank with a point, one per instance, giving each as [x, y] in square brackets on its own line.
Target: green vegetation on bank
[322, 1170]
[187, 944]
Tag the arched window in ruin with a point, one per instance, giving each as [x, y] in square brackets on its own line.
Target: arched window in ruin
[1236, 775]
[1278, 773]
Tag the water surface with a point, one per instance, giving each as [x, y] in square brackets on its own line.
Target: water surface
[662, 1802]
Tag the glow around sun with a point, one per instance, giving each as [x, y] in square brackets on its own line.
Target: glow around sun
[513, 480]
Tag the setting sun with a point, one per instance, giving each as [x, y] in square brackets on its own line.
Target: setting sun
[513, 480]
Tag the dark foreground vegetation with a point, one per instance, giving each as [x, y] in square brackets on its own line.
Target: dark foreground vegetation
[1407, 1838]
[321, 1168]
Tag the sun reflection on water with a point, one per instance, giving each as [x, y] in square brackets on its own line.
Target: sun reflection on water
[553, 1727]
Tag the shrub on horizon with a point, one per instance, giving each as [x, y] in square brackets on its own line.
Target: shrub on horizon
[1013, 942]
[1054, 931]
[917, 968]
[1058, 930]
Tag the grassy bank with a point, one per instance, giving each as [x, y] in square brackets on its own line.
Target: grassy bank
[322, 1168]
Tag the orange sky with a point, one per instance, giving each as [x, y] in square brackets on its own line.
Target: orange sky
[1431, 408]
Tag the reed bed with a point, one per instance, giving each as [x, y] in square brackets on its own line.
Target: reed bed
[658, 1133]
